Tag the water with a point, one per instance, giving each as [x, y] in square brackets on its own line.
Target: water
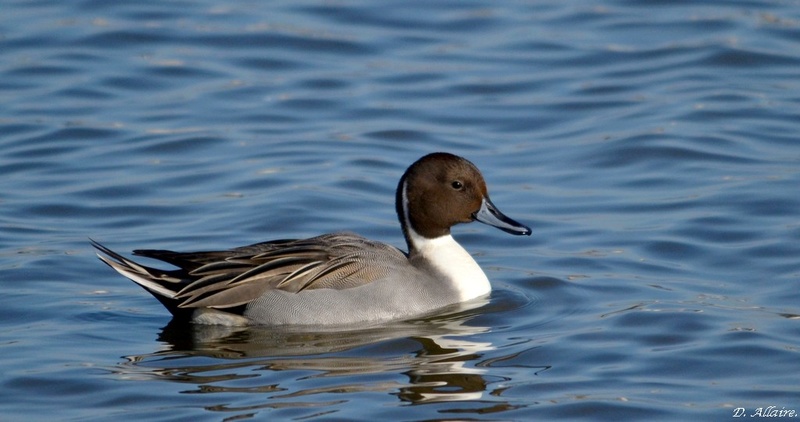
[652, 147]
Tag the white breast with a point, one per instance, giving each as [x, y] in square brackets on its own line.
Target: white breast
[453, 264]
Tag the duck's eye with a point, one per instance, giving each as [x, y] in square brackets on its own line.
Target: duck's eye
[457, 185]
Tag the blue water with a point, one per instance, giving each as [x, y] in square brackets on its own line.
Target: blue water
[652, 147]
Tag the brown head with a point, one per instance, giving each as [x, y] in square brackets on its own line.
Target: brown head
[441, 190]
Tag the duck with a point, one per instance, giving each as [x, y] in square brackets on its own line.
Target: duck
[338, 278]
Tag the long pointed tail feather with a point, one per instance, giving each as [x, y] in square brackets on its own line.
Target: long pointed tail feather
[162, 284]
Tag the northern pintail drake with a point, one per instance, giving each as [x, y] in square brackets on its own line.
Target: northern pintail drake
[339, 278]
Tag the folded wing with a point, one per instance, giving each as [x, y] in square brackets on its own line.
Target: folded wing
[235, 277]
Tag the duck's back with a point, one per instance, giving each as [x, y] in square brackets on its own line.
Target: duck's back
[366, 281]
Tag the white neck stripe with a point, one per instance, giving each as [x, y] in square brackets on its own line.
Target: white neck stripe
[451, 261]
[413, 237]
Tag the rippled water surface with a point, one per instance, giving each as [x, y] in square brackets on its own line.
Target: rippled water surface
[652, 147]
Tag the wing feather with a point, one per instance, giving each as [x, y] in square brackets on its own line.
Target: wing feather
[224, 279]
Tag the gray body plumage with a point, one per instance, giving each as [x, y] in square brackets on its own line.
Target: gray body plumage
[338, 278]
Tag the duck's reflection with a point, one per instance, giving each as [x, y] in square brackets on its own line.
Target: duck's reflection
[427, 360]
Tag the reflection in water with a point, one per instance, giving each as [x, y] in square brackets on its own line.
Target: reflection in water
[421, 361]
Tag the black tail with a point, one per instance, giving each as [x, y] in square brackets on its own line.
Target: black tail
[162, 284]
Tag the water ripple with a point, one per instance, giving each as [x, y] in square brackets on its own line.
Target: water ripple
[652, 148]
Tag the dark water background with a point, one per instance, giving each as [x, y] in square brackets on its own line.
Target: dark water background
[652, 146]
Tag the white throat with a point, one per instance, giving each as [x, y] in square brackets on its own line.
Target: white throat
[451, 262]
